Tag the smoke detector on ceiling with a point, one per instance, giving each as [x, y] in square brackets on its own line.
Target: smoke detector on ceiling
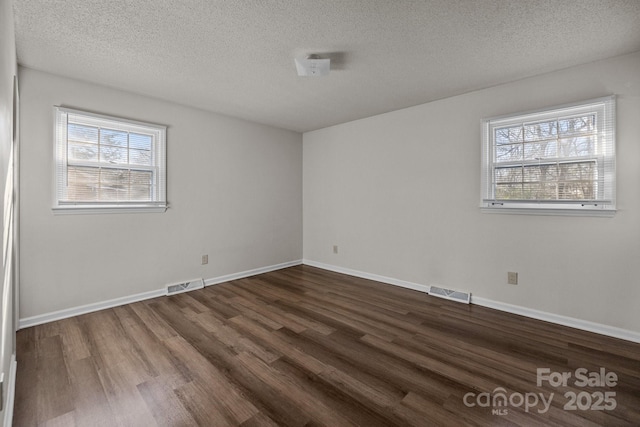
[313, 66]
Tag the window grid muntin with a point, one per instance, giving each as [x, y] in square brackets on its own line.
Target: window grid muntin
[102, 165]
[603, 145]
[157, 167]
[557, 183]
[521, 125]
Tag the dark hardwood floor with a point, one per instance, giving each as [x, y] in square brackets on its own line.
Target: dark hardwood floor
[308, 347]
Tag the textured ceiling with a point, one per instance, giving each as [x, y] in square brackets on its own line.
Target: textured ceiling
[235, 57]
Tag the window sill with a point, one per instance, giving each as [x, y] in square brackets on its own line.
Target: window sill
[602, 212]
[82, 210]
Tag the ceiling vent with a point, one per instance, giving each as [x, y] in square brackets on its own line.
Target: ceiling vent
[179, 288]
[313, 66]
[450, 294]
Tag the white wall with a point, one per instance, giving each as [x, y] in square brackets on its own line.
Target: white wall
[234, 189]
[8, 70]
[399, 194]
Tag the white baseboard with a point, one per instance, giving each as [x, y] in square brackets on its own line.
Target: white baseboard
[572, 322]
[584, 325]
[89, 308]
[362, 274]
[248, 273]
[11, 392]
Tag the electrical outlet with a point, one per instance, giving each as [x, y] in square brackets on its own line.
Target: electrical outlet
[512, 278]
[335, 249]
[205, 259]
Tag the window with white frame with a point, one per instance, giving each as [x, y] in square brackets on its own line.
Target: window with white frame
[559, 160]
[108, 164]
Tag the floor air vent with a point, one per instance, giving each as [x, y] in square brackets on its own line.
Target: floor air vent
[178, 288]
[436, 291]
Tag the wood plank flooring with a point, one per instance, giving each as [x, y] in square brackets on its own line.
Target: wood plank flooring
[308, 347]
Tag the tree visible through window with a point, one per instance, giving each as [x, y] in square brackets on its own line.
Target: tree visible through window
[104, 162]
[558, 159]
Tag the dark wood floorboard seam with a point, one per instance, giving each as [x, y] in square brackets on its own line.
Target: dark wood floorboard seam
[308, 347]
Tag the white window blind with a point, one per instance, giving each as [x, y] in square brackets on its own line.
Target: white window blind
[560, 160]
[105, 163]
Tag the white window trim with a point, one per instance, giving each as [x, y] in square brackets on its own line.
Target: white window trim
[101, 207]
[606, 208]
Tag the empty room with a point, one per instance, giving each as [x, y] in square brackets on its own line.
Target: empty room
[320, 213]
